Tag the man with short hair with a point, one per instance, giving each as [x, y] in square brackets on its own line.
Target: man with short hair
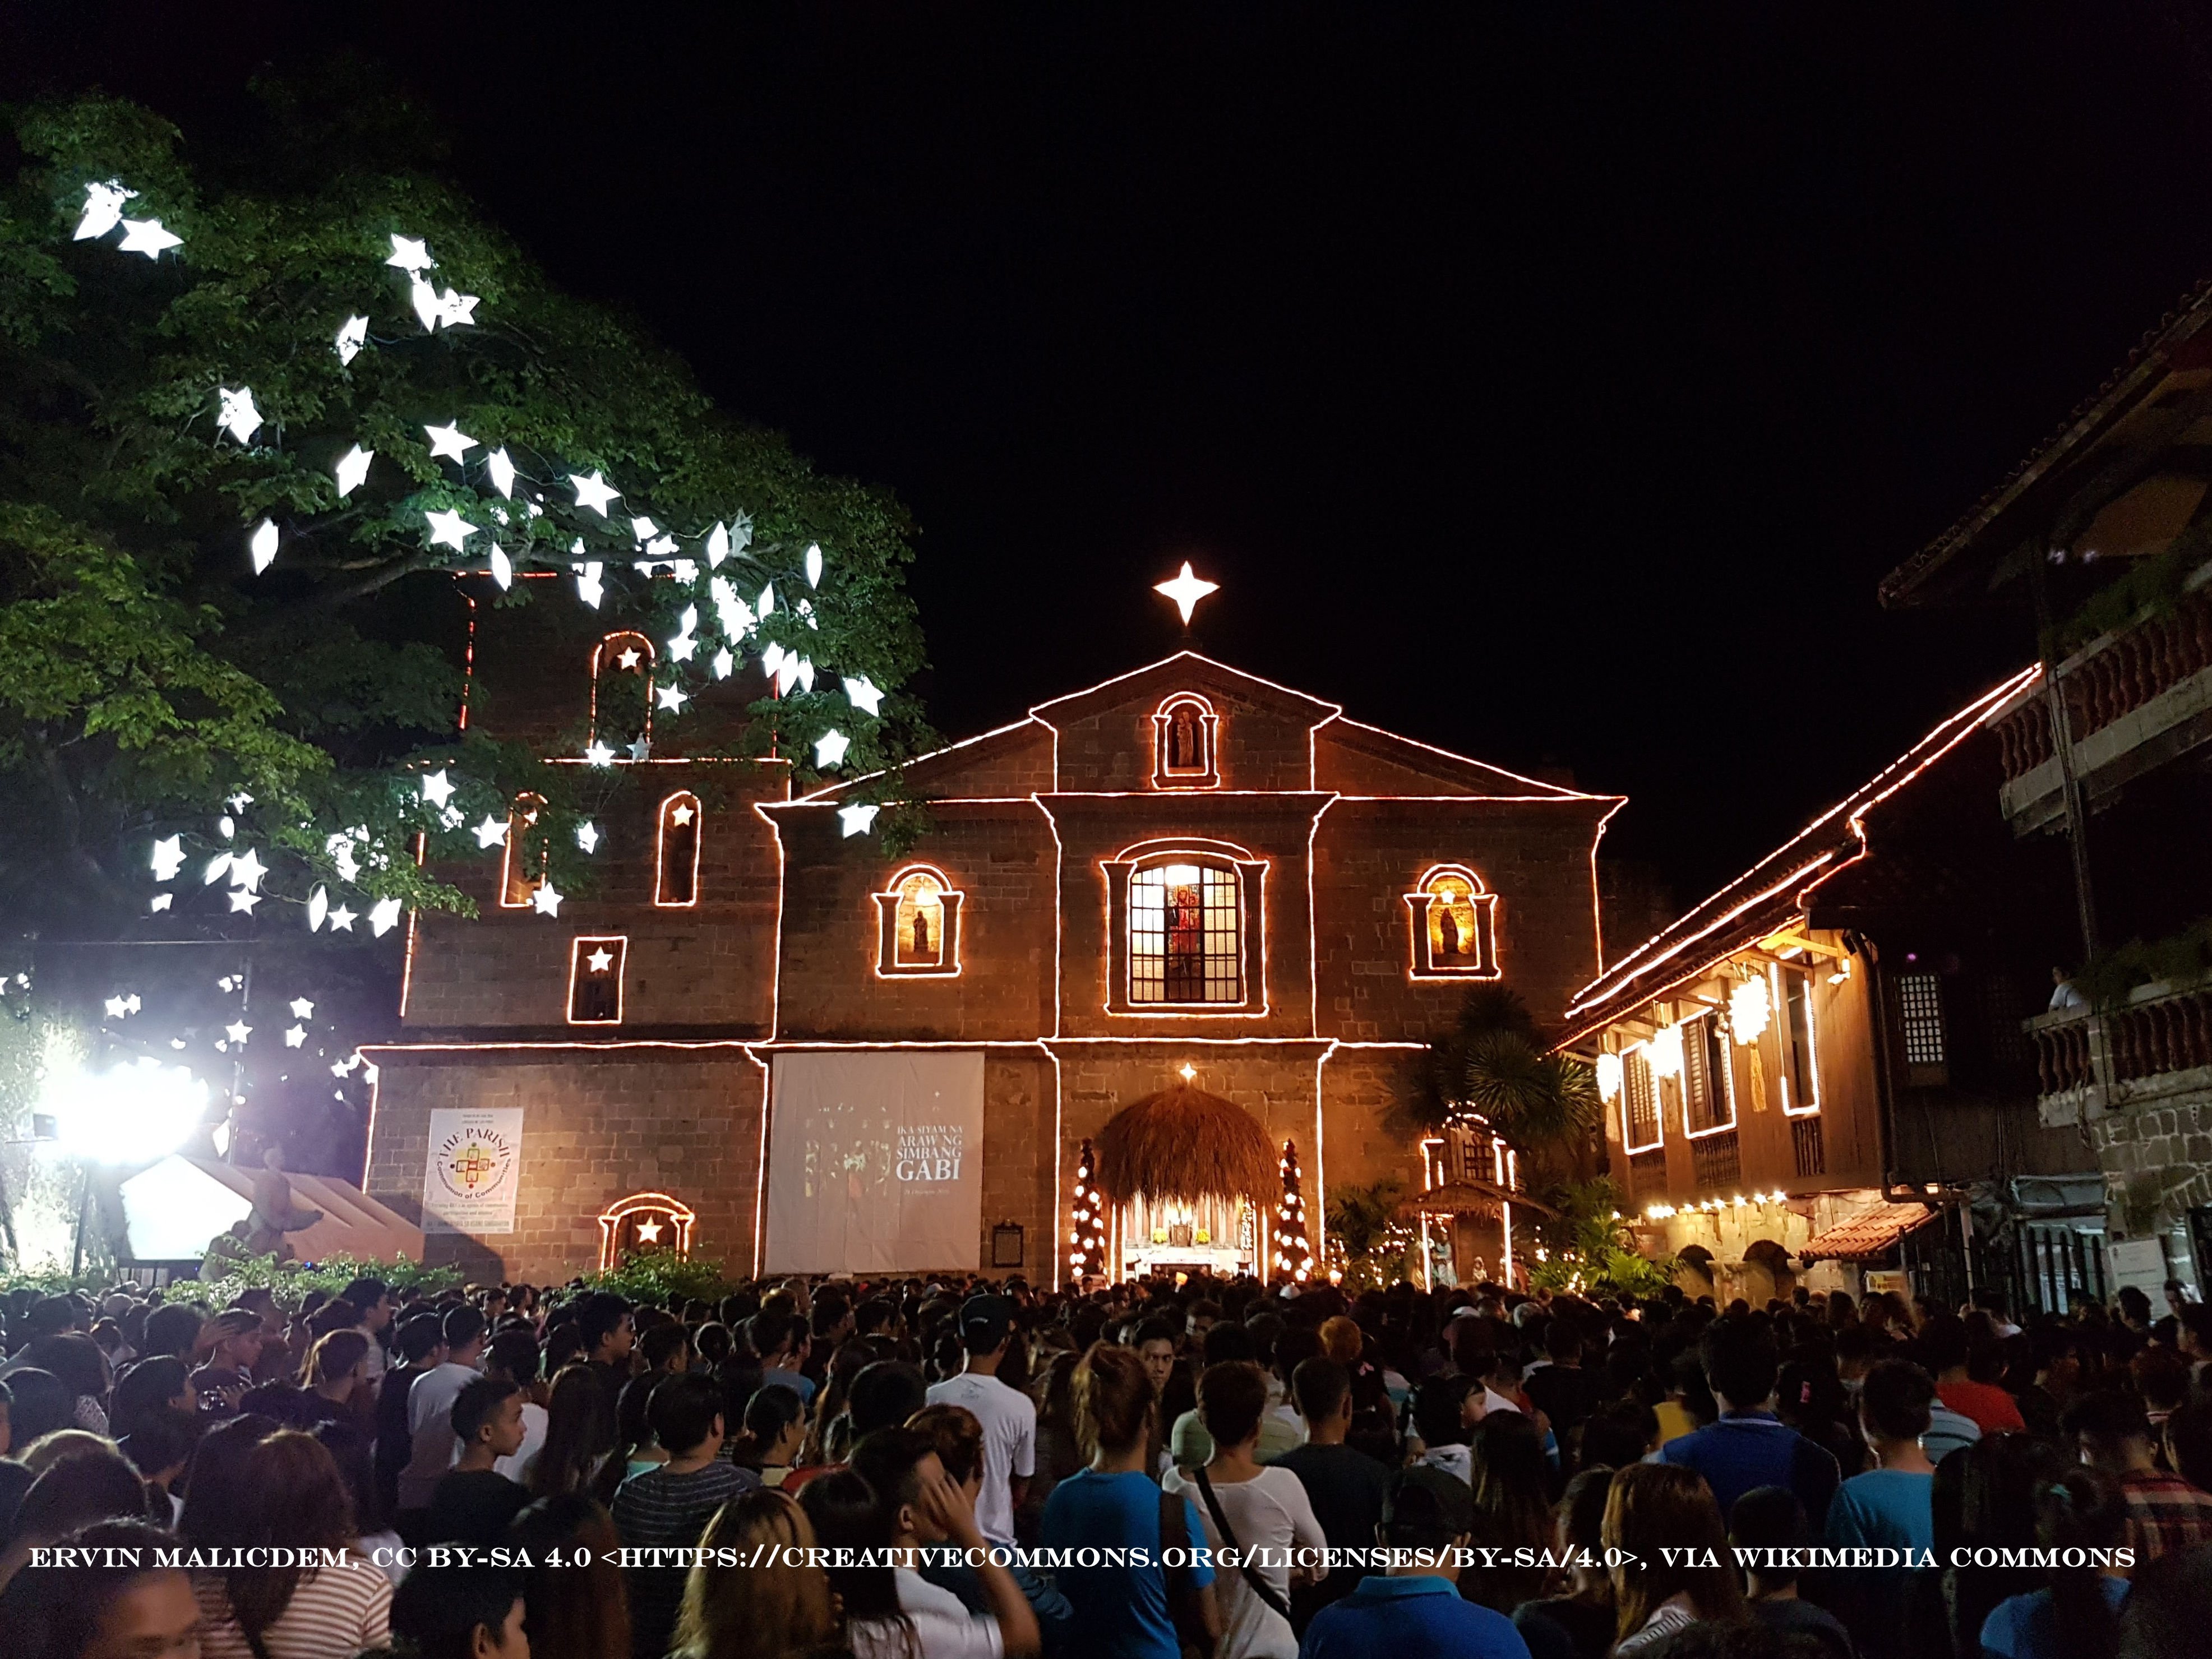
[1769, 1523]
[1562, 1390]
[371, 1299]
[461, 1613]
[473, 1501]
[671, 1504]
[2165, 1513]
[1346, 1487]
[1748, 1445]
[1948, 1353]
[775, 1338]
[513, 1355]
[421, 1350]
[430, 1400]
[1008, 1416]
[1413, 1609]
[1156, 1345]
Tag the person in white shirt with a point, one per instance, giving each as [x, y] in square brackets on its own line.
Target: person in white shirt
[430, 1408]
[1008, 1416]
[371, 1299]
[893, 1613]
[1246, 1506]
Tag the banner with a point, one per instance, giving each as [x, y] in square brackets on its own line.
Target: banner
[875, 1162]
[474, 1166]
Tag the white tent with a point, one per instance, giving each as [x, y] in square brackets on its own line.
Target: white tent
[171, 1209]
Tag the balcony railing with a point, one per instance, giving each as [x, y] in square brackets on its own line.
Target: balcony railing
[2160, 1029]
[2112, 678]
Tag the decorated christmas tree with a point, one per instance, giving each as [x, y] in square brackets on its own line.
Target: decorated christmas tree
[1086, 1236]
[1294, 1257]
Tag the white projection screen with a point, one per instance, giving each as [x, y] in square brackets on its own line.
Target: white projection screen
[875, 1162]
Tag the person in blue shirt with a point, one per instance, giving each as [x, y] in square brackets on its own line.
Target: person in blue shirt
[1414, 1610]
[1128, 1611]
[2082, 1512]
[1749, 1446]
[1891, 1506]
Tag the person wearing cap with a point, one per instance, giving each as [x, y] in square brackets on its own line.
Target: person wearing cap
[1008, 1416]
[1413, 1609]
[228, 1373]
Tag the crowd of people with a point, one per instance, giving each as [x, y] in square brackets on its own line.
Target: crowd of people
[949, 1467]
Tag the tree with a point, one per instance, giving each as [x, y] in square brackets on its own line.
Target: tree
[1587, 1248]
[212, 612]
[1492, 1064]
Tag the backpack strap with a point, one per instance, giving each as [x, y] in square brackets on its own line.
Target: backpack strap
[1259, 1586]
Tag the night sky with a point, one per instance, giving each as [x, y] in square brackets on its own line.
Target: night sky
[1554, 385]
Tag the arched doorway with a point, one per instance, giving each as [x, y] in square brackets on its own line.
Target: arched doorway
[1187, 1175]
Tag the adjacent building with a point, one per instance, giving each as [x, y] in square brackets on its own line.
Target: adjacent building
[2101, 545]
[1819, 1071]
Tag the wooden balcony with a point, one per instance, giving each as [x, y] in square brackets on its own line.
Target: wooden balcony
[2157, 1043]
[2134, 700]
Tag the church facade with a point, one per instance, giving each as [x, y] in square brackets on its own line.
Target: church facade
[762, 1034]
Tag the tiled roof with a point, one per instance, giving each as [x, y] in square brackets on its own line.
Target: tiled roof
[1873, 1232]
[2144, 370]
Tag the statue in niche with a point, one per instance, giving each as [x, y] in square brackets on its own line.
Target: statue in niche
[1448, 931]
[921, 934]
[1185, 742]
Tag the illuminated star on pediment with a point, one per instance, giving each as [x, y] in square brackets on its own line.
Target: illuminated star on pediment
[1187, 590]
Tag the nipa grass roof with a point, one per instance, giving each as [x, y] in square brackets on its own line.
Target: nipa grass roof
[1184, 1143]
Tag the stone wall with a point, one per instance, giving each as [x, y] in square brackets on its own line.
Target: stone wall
[597, 1126]
[2156, 1152]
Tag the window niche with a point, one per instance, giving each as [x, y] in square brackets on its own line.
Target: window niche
[675, 872]
[622, 693]
[595, 979]
[1455, 928]
[917, 924]
[1184, 731]
[522, 865]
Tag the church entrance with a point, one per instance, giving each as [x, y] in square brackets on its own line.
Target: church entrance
[1184, 1172]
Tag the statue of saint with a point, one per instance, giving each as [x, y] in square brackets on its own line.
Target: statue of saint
[273, 1214]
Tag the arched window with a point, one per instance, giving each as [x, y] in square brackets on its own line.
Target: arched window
[621, 692]
[1184, 728]
[523, 866]
[676, 881]
[918, 924]
[1454, 931]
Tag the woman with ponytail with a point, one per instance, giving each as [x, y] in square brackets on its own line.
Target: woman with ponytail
[2081, 1518]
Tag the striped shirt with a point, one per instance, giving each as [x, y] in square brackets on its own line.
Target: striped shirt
[336, 1611]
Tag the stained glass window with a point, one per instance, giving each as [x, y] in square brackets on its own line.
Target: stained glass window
[1184, 945]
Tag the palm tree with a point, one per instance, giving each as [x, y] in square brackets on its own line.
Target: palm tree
[1492, 1063]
